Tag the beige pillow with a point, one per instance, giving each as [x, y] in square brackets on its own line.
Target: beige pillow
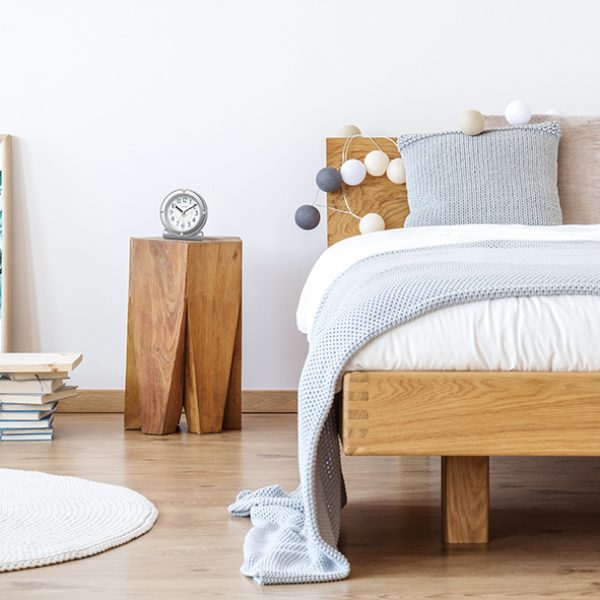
[578, 165]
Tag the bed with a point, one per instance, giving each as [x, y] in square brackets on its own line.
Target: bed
[442, 336]
[542, 407]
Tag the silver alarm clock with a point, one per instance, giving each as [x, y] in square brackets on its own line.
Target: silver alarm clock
[183, 214]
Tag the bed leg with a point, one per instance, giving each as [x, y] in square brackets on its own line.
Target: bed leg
[465, 499]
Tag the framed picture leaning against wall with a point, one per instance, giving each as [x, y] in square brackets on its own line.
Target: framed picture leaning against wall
[5, 196]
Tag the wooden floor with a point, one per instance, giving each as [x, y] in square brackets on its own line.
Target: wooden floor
[545, 520]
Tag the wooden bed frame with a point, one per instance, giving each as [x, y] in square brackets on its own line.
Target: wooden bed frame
[463, 416]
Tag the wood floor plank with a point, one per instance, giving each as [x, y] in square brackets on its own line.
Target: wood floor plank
[545, 520]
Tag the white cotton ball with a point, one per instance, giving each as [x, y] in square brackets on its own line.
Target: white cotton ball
[471, 122]
[348, 130]
[517, 113]
[376, 163]
[353, 172]
[370, 223]
[555, 112]
[395, 171]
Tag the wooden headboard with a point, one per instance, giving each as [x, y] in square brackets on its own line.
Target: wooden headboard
[374, 194]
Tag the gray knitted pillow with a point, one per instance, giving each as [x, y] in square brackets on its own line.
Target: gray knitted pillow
[503, 175]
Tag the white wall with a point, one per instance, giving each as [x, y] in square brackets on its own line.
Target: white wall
[115, 103]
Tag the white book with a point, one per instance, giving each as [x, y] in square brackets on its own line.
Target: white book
[32, 386]
[38, 362]
[36, 376]
[64, 392]
[10, 406]
[42, 424]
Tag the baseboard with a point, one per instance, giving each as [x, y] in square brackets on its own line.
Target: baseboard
[94, 401]
[269, 401]
[112, 401]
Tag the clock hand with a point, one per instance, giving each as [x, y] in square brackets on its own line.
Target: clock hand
[181, 211]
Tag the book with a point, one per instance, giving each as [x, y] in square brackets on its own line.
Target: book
[64, 392]
[10, 406]
[24, 415]
[41, 424]
[36, 376]
[26, 437]
[18, 432]
[32, 386]
[28, 362]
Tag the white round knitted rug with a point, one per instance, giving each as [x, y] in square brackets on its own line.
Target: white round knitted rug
[46, 519]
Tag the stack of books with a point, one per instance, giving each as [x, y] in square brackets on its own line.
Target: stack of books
[31, 386]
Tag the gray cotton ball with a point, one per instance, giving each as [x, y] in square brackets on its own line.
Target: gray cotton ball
[329, 179]
[307, 216]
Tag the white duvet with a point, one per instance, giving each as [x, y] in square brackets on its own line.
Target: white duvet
[558, 333]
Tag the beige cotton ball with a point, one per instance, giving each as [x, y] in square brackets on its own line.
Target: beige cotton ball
[396, 172]
[371, 222]
[471, 122]
[348, 130]
[376, 163]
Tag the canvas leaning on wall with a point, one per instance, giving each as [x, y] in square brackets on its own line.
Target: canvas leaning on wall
[5, 189]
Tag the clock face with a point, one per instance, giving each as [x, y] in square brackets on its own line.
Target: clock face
[183, 212]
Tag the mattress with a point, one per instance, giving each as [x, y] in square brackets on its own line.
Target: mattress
[552, 333]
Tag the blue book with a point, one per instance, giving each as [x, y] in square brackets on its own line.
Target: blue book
[42, 435]
[27, 414]
[46, 422]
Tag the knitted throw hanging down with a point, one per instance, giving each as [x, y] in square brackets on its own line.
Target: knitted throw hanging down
[294, 537]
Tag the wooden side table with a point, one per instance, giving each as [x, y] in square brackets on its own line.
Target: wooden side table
[184, 335]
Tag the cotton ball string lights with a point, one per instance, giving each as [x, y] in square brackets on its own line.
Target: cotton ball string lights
[348, 131]
[371, 222]
[554, 112]
[396, 172]
[517, 113]
[329, 179]
[353, 172]
[376, 163]
[307, 216]
[471, 122]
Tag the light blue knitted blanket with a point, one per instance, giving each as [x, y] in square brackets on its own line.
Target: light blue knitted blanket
[294, 538]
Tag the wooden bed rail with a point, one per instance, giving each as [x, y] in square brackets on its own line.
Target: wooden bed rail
[471, 413]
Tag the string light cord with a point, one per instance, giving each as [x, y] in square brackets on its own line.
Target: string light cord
[336, 210]
[345, 151]
[349, 211]
[346, 212]
[350, 138]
